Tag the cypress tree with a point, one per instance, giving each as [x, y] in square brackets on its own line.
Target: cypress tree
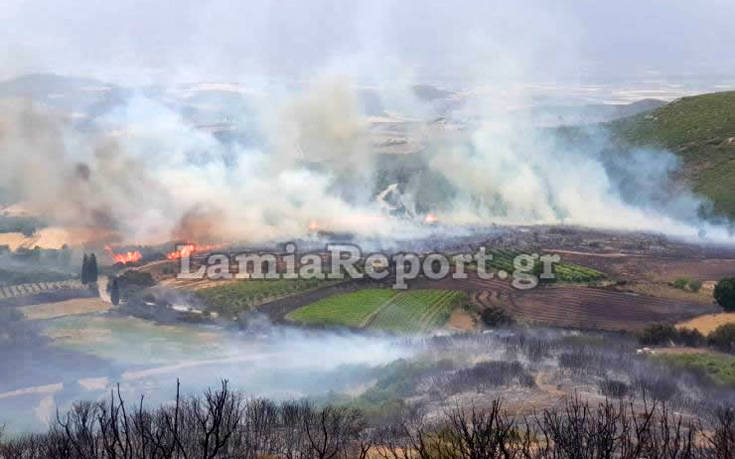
[93, 271]
[85, 269]
[115, 292]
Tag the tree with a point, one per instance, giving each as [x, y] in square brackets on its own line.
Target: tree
[723, 338]
[85, 269]
[115, 292]
[93, 271]
[725, 293]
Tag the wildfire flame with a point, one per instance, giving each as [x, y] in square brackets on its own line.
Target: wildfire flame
[430, 218]
[132, 256]
[313, 226]
[187, 250]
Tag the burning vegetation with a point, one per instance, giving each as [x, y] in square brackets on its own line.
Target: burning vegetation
[131, 256]
[188, 249]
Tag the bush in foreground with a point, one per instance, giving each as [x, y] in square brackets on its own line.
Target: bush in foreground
[222, 424]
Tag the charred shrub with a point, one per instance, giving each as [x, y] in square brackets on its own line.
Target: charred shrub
[613, 388]
[535, 349]
[575, 360]
[656, 388]
[488, 375]
[496, 317]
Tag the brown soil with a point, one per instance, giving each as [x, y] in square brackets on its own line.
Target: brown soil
[707, 323]
[461, 320]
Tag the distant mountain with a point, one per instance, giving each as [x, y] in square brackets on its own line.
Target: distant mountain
[701, 131]
[84, 97]
[430, 93]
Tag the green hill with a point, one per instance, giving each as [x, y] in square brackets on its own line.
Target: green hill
[701, 131]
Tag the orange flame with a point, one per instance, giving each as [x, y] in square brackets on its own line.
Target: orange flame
[430, 218]
[313, 226]
[188, 249]
[132, 256]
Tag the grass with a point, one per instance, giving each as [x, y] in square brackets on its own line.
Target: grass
[413, 311]
[235, 297]
[719, 367]
[697, 130]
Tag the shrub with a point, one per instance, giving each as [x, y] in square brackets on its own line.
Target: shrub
[136, 278]
[577, 359]
[657, 388]
[690, 337]
[658, 334]
[723, 338]
[613, 388]
[725, 293]
[681, 283]
[695, 285]
[495, 317]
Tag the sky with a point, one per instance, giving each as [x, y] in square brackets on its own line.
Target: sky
[433, 41]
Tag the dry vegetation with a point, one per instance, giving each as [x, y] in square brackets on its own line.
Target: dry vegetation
[709, 322]
[64, 308]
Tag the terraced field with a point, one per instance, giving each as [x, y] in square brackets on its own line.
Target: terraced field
[233, 297]
[16, 291]
[597, 308]
[564, 271]
[412, 311]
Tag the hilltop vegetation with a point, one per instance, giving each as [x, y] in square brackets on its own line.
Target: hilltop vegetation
[701, 131]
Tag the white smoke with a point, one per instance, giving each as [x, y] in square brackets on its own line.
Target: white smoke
[145, 168]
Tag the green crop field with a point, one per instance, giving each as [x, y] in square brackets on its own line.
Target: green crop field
[345, 309]
[565, 272]
[233, 298]
[416, 311]
[411, 311]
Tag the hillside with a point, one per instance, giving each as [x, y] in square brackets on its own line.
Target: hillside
[701, 131]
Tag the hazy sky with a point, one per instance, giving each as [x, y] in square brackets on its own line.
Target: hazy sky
[222, 40]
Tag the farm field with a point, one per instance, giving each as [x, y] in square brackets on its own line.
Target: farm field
[599, 308]
[707, 323]
[346, 309]
[413, 311]
[564, 271]
[232, 298]
[64, 308]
